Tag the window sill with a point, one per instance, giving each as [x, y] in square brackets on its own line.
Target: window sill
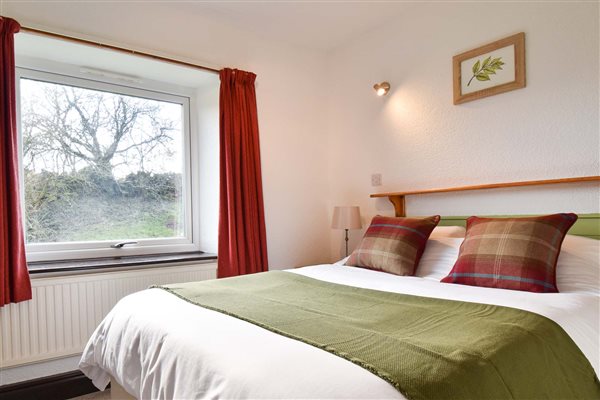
[40, 267]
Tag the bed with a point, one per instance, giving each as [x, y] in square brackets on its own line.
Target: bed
[154, 344]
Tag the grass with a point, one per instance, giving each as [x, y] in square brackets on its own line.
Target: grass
[149, 226]
[97, 218]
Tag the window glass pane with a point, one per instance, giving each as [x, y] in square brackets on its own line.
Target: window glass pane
[100, 165]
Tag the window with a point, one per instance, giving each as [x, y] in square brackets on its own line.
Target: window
[115, 147]
[103, 164]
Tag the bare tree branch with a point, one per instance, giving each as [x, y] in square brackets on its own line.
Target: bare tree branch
[83, 127]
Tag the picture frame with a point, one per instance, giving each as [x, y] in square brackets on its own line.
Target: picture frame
[491, 69]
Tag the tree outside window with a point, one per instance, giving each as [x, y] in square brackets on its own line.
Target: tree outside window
[99, 165]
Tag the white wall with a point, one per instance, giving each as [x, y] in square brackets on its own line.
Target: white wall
[288, 91]
[208, 127]
[417, 138]
[315, 157]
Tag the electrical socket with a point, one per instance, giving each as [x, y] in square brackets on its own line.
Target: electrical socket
[375, 179]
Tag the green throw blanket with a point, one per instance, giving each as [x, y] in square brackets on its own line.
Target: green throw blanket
[426, 348]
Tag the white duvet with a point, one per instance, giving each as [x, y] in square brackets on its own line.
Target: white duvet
[158, 346]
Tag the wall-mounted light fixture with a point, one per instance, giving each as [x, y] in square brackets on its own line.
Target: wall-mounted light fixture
[382, 88]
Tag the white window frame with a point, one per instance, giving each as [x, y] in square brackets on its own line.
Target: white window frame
[190, 188]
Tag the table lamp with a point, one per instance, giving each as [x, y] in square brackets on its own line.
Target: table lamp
[346, 217]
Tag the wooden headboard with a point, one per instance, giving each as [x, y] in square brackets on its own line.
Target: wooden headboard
[587, 225]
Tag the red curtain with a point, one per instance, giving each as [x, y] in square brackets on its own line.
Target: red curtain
[242, 238]
[14, 276]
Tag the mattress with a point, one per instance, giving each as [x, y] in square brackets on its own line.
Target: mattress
[157, 345]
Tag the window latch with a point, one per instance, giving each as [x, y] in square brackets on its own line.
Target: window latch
[121, 244]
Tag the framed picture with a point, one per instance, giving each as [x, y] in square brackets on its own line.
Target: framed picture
[495, 68]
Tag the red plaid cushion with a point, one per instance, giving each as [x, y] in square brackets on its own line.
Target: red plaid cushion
[511, 253]
[393, 245]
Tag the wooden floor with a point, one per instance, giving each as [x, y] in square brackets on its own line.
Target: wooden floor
[105, 395]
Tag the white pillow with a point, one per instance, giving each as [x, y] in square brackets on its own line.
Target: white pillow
[578, 266]
[342, 261]
[439, 256]
[448, 231]
[439, 251]
[577, 269]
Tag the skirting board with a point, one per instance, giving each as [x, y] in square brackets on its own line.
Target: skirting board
[55, 387]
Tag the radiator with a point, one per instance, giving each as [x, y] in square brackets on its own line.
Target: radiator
[65, 310]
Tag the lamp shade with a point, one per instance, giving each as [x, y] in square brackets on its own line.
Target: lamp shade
[346, 217]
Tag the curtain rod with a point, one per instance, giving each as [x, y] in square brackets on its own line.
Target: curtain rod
[116, 48]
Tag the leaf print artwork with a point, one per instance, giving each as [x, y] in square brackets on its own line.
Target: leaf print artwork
[488, 70]
[483, 70]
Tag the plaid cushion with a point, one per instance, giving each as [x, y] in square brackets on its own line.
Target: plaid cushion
[511, 253]
[393, 245]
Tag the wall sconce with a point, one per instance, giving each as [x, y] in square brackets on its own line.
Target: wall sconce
[382, 88]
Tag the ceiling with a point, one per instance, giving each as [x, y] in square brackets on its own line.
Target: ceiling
[320, 25]
[316, 24]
